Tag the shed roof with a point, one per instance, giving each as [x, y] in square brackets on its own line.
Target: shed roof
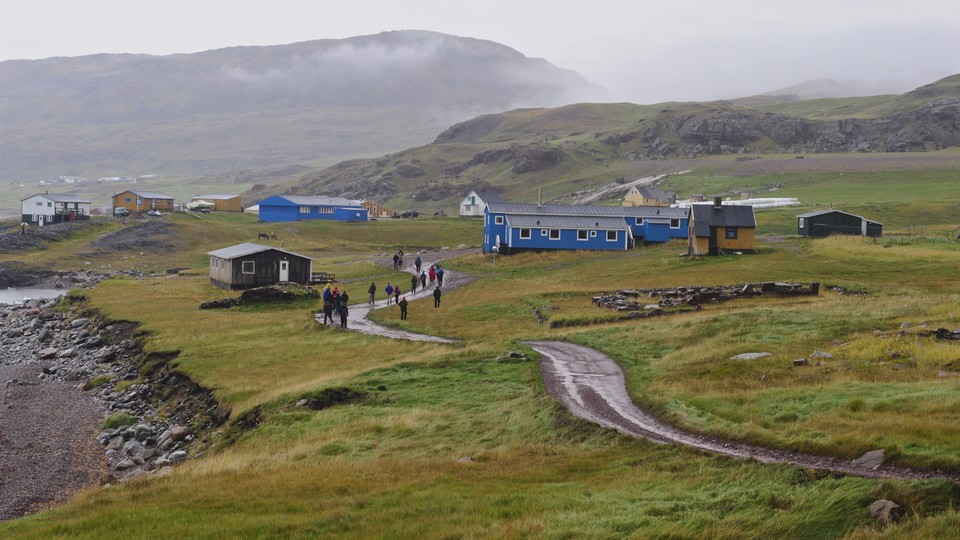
[568, 222]
[151, 195]
[705, 216]
[63, 197]
[831, 211]
[216, 197]
[249, 248]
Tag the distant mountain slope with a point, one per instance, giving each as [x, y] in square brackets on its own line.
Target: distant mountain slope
[259, 106]
[568, 149]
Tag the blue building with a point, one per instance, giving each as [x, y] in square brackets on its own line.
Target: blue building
[303, 208]
[512, 227]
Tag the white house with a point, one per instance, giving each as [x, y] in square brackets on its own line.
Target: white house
[474, 204]
[45, 209]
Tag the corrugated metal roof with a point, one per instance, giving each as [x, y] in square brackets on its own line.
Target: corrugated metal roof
[319, 200]
[151, 195]
[567, 222]
[705, 216]
[830, 211]
[216, 197]
[587, 210]
[248, 248]
[66, 197]
[489, 196]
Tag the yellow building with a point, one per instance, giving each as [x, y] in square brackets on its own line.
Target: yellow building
[716, 229]
[648, 196]
[222, 203]
[139, 202]
[377, 210]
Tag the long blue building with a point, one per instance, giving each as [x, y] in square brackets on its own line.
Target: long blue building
[512, 227]
[302, 208]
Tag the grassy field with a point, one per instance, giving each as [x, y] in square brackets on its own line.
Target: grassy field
[447, 441]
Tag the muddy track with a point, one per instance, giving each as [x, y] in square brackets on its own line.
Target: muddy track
[592, 386]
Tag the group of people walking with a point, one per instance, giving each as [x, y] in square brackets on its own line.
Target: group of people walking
[335, 302]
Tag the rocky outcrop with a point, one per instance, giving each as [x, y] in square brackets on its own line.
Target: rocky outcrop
[525, 159]
[725, 130]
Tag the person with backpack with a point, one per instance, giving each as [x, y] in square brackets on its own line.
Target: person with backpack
[423, 280]
[396, 294]
[389, 291]
[403, 308]
[436, 297]
[328, 310]
[439, 277]
[414, 281]
[396, 261]
[418, 263]
[433, 274]
[372, 291]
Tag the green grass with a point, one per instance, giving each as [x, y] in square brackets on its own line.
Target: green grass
[380, 453]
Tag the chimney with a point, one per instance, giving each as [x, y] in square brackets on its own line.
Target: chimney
[539, 197]
[717, 203]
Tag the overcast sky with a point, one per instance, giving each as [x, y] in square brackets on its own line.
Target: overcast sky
[643, 51]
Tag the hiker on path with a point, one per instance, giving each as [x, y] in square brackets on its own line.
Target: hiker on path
[396, 294]
[389, 291]
[396, 261]
[433, 274]
[372, 291]
[328, 311]
[414, 281]
[439, 277]
[344, 297]
[403, 309]
[418, 264]
[343, 315]
[436, 297]
[400, 260]
[423, 280]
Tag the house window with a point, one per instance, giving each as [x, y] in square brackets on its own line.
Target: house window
[127, 199]
[524, 234]
[247, 267]
[593, 234]
[49, 204]
[581, 235]
[731, 234]
[611, 236]
[554, 234]
[303, 210]
[40, 203]
[324, 209]
[543, 232]
[498, 220]
[675, 223]
[801, 223]
[639, 221]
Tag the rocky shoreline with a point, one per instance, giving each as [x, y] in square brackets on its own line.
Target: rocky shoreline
[58, 362]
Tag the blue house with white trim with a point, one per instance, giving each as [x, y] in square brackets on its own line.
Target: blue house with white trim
[304, 208]
[511, 227]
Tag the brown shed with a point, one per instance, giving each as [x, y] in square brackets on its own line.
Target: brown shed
[222, 203]
[248, 265]
[138, 202]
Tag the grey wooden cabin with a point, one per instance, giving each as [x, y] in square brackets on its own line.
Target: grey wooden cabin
[248, 265]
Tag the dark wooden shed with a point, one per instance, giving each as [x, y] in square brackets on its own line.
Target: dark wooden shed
[828, 222]
[248, 265]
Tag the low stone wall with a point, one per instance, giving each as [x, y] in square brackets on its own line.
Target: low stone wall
[636, 300]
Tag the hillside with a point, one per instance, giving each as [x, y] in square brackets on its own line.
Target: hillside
[257, 107]
[576, 147]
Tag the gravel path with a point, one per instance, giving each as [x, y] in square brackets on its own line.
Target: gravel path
[48, 446]
[592, 386]
[357, 319]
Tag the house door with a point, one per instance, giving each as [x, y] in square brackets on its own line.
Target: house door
[284, 270]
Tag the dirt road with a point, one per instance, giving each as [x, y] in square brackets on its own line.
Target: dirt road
[357, 319]
[592, 386]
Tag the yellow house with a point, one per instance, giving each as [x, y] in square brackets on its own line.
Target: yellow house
[139, 202]
[648, 196]
[716, 229]
[377, 210]
[222, 203]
